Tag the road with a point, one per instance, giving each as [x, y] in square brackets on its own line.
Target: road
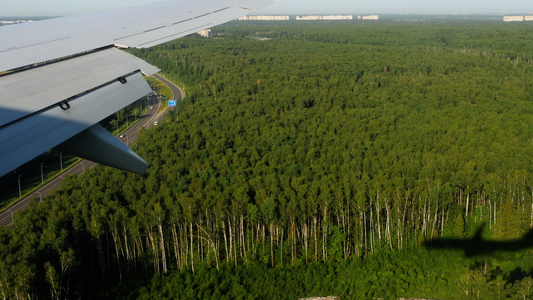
[178, 92]
[152, 115]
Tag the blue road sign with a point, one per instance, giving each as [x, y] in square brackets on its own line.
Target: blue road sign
[172, 102]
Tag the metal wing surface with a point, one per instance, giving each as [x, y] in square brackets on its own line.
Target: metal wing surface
[60, 77]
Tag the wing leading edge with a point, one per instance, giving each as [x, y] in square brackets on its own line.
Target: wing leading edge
[60, 77]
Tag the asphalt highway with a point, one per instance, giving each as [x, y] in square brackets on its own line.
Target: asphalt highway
[128, 137]
[178, 92]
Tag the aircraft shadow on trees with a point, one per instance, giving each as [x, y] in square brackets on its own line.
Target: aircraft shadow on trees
[477, 245]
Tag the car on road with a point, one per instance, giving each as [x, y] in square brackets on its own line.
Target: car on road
[155, 123]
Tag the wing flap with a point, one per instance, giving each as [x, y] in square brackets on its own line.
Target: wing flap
[28, 137]
[35, 89]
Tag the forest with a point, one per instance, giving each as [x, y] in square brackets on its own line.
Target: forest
[308, 159]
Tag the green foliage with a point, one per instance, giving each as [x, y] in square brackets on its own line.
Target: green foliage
[459, 227]
[413, 273]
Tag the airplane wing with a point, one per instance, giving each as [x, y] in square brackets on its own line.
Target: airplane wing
[60, 77]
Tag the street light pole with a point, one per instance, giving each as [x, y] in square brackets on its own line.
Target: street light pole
[42, 177]
[20, 192]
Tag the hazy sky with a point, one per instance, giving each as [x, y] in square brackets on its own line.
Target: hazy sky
[67, 7]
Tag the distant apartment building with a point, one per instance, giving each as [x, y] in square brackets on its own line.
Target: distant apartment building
[298, 18]
[338, 17]
[264, 18]
[205, 33]
[370, 17]
[528, 18]
[308, 18]
[513, 18]
[14, 22]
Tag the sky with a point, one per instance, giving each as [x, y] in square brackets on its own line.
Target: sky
[69, 7]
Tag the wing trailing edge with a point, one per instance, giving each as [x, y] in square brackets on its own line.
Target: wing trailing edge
[35, 89]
